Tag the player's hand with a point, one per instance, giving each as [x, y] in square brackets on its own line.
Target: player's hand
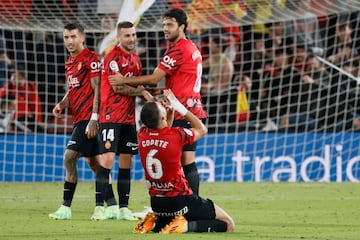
[170, 97]
[174, 102]
[92, 129]
[146, 94]
[57, 111]
[116, 79]
[165, 102]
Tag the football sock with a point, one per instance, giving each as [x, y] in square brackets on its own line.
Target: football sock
[207, 226]
[109, 197]
[69, 190]
[192, 175]
[123, 187]
[102, 183]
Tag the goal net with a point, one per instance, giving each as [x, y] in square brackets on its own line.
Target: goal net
[280, 84]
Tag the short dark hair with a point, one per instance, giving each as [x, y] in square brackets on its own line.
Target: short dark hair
[150, 115]
[124, 24]
[179, 15]
[75, 25]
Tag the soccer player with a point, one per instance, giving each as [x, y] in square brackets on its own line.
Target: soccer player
[83, 70]
[117, 120]
[176, 208]
[181, 66]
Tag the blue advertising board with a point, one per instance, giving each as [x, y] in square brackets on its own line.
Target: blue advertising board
[238, 157]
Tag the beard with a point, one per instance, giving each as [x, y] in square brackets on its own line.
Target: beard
[173, 37]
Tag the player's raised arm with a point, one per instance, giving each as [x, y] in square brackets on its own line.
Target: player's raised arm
[196, 124]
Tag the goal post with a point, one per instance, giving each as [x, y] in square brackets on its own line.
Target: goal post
[285, 109]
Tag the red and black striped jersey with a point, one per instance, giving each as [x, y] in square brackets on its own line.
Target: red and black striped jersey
[80, 69]
[160, 154]
[182, 63]
[117, 108]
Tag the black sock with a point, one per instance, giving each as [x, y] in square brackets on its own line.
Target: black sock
[207, 226]
[192, 175]
[69, 190]
[109, 197]
[123, 187]
[102, 182]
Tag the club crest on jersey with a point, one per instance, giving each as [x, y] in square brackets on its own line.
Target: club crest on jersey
[79, 66]
[107, 145]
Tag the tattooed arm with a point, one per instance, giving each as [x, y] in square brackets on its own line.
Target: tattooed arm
[133, 91]
[93, 126]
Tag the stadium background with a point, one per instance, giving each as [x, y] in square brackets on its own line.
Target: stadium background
[231, 152]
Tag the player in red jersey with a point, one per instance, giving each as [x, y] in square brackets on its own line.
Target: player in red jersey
[117, 121]
[176, 208]
[83, 70]
[181, 66]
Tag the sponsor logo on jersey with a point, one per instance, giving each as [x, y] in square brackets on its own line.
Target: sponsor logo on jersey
[72, 82]
[95, 66]
[168, 61]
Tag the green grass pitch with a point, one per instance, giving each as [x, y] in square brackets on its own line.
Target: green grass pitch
[282, 211]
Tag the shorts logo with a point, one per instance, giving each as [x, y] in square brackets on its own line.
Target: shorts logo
[107, 145]
[71, 142]
[134, 146]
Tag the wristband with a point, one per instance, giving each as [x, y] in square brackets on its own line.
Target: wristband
[94, 116]
[179, 107]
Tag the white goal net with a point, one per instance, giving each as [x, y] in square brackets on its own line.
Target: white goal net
[280, 84]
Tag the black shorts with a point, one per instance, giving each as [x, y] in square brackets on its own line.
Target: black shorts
[185, 124]
[118, 138]
[80, 143]
[192, 207]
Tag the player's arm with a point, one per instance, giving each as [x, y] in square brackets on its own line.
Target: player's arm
[93, 127]
[95, 84]
[152, 79]
[128, 90]
[64, 103]
[197, 126]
